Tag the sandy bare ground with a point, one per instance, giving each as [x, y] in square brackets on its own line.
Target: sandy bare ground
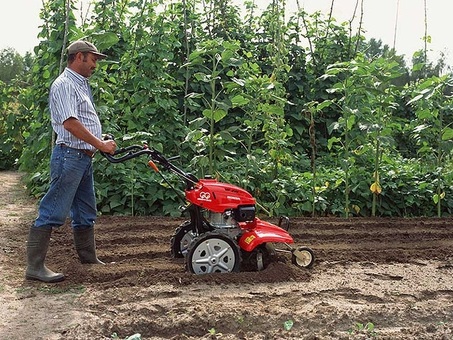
[373, 278]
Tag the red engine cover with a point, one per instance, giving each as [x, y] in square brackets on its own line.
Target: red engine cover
[218, 197]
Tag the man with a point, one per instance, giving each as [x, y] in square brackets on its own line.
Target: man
[71, 192]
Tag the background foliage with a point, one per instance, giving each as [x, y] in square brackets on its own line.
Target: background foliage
[307, 115]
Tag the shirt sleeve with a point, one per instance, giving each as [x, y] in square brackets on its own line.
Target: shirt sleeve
[63, 102]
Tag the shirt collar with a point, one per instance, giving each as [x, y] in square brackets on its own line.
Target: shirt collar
[81, 80]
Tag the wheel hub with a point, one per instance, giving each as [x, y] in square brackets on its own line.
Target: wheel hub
[213, 254]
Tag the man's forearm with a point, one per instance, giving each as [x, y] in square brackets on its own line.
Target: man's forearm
[76, 128]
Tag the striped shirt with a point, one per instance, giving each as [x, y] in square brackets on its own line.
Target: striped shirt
[70, 96]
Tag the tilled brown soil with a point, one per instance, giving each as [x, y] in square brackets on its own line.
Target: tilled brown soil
[373, 278]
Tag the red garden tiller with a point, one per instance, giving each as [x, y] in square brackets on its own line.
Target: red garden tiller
[223, 234]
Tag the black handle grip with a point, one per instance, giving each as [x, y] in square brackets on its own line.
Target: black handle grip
[129, 152]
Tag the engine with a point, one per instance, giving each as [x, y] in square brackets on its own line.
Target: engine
[223, 220]
[227, 222]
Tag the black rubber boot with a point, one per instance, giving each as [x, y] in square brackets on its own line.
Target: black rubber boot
[85, 245]
[37, 246]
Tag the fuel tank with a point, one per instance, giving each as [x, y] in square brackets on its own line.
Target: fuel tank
[217, 196]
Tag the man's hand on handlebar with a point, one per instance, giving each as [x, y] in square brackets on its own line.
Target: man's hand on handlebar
[108, 146]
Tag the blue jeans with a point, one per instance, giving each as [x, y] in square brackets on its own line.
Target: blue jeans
[71, 190]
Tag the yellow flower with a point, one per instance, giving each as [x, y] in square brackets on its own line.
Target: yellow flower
[376, 188]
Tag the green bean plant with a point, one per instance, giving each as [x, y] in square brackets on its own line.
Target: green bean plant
[367, 103]
[343, 142]
[212, 60]
[433, 103]
[312, 109]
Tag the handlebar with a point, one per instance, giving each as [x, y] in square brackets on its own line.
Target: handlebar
[134, 151]
[129, 152]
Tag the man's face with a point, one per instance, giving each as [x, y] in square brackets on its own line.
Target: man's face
[86, 63]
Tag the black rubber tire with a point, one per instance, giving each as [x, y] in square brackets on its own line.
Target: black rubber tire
[177, 249]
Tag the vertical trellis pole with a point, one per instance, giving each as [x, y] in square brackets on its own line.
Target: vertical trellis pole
[63, 48]
[396, 23]
[425, 38]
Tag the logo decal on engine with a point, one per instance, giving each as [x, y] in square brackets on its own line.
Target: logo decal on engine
[205, 196]
[234, 198]
[249, 239]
